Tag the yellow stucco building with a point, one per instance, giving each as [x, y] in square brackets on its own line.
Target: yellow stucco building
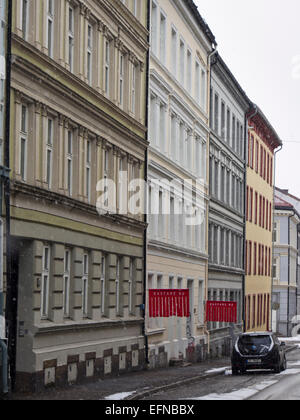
[263, 141]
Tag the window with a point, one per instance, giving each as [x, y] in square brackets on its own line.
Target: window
[49, 153]
[23, 142]
[197, 82]
[70, 162]
[67, 275]
[45, 283]
[89, 53]
[24, 16]
[71, 39]
[107, 68]
[223, 121]
[189, 71]
[118, 287]
[163, 38]
[50, 17]
[174, 52]
[133, 90]
[154, 28]
[182, 62]
[203, 89]
[121, 79]
[106, 175]
[88, 170]
[103, 283]
[130, 286]
[85, 285]
[216, 113]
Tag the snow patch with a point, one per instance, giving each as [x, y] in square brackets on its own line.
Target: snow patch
[120, 396]
[218, 370]
[239, 395]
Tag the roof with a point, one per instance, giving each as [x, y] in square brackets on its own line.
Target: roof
[286, 192]
[217, 59]
[279, 202]
[258, 118]
[202, 23]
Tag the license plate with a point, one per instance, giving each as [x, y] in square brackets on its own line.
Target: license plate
[254, 361]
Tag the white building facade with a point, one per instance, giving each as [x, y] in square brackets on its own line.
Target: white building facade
[227, 168]
[178, 156]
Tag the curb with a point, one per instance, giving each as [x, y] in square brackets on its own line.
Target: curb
[176, 384]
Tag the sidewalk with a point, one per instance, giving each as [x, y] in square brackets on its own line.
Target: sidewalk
[134, 385]
[138, 385]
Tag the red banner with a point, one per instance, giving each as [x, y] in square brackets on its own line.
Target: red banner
[221, 312]
[168, 303]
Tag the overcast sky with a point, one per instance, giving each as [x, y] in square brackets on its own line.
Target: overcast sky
[260, 42]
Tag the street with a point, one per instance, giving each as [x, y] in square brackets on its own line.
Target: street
[252, 386]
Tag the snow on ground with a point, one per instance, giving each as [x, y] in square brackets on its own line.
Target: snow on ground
[239, 395]
[219, 370]
[290, 372]
[291, 339]
[120, 396]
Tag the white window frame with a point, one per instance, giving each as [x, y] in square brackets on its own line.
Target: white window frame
[121, 79]
[117, 282]
[69, 169]
[89, 62]
[24, 18]
[103, 283]
[85, 284]
[130, 286]
[107, 54]
[67, 276]
[49, 152]
[46, 261]
[24, 139]
[50, 23]
[71, 27]
[88, 170]
[133, 89]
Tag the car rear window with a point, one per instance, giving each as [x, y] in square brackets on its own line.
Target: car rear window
[256, 340]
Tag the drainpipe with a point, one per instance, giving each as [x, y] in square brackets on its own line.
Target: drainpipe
[4, 180]
[247, 128]
[273, 248]
[3, 343]
[210, 56]
[10, 302]
[146, 195]
[289, 272]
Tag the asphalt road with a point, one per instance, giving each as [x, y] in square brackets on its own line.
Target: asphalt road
[252, 386]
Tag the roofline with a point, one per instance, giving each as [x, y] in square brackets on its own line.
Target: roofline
[266, 122]
[287, 193]
[218, 58]
[204, 26]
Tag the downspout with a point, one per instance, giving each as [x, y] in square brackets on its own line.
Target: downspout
[5, 180]
[210, 56]
[246, 156]
[3, 343]
[289, 272]
[273, 248]
[146, 194]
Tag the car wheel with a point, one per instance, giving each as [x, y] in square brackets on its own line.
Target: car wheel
[284, 365]
[235, 372]
[277, 368]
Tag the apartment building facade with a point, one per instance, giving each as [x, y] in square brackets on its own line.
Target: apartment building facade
[263, 141]
[177, 258]
[78, 112]
[286, 264]
[227, 157]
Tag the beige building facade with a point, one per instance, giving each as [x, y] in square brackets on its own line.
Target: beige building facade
[177, 258]
[78, 115]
